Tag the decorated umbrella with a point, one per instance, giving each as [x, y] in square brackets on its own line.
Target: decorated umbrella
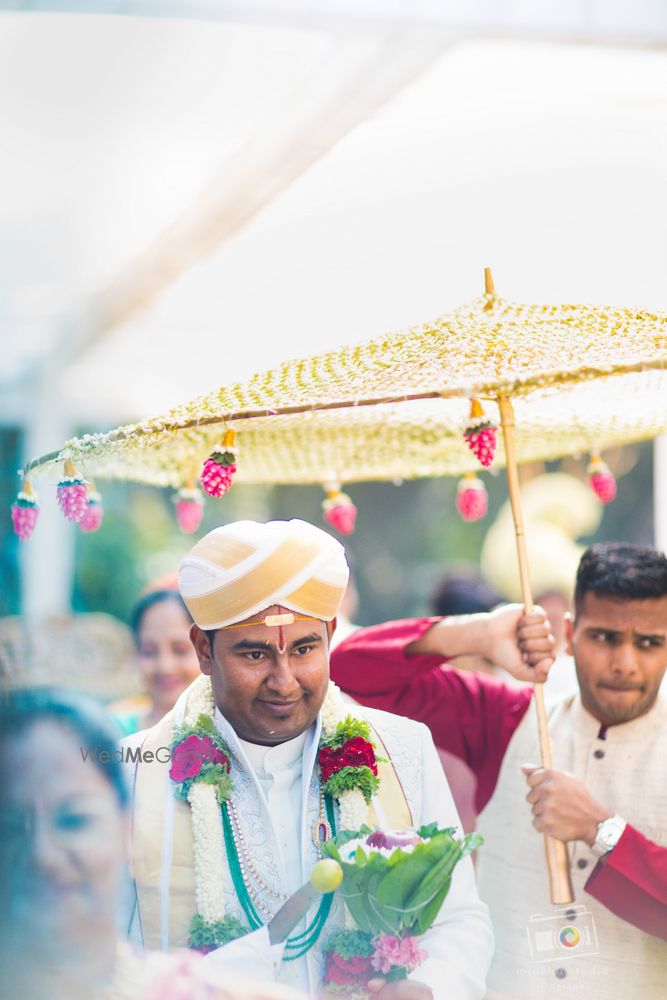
[560, 380]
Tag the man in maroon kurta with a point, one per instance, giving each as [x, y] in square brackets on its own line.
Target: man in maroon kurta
[619, 641]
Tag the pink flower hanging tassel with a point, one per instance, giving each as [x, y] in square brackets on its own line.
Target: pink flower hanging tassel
[480, 434]
[471, 498]
[94, 512]
[339, 511]
[219, 469]
[72, 493]
[25, 511]
[601, 479]
[189, 508]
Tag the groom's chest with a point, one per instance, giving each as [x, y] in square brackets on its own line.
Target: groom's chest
[276, 813]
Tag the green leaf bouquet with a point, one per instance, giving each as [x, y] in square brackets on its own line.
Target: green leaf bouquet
[394, 884]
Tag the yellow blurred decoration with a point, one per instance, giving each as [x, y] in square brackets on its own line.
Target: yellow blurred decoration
[557, 509]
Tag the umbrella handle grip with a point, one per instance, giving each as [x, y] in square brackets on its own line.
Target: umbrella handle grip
[558, 867]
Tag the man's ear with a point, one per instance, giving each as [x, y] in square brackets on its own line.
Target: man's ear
[200, 641]
[331, 628]
[568, 624]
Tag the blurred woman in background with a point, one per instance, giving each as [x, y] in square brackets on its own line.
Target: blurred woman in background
[63, 858]
[166, 658]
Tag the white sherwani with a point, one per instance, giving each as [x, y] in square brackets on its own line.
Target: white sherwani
[613, 960]
[277, 801]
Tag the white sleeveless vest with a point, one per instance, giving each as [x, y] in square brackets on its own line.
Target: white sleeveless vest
[611, 959]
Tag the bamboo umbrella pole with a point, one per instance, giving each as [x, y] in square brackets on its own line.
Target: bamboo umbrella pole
[556, 851]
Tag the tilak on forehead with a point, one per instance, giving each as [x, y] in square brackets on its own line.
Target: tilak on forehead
[238, 571]
[276, 621]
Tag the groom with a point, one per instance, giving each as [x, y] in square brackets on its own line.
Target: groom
[264, 598]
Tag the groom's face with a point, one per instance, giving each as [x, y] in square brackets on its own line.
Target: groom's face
[269, 682]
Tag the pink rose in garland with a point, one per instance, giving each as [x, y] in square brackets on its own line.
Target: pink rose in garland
[190, 755]
[198, 753]
[357, 752]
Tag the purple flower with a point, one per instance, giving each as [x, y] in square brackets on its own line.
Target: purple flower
[392, 838]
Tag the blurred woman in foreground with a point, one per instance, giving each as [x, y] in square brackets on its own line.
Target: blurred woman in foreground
[63, 843]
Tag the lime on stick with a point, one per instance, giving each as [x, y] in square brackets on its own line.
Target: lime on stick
[326, 875]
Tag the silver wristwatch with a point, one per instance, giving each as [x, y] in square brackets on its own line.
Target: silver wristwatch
[608, 834]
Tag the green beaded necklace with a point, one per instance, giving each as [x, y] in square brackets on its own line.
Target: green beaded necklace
[300, 944]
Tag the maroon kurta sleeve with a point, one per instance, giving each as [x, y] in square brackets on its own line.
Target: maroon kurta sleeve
[631, 881]
[470, 715]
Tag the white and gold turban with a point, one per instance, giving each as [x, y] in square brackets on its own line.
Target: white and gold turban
[240, 569]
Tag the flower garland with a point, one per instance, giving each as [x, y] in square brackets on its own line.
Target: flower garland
[352, 791]
[200, 769]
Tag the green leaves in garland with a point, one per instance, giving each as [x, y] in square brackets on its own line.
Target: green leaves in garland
[205, 937]
[353, 777]
[349, 729]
